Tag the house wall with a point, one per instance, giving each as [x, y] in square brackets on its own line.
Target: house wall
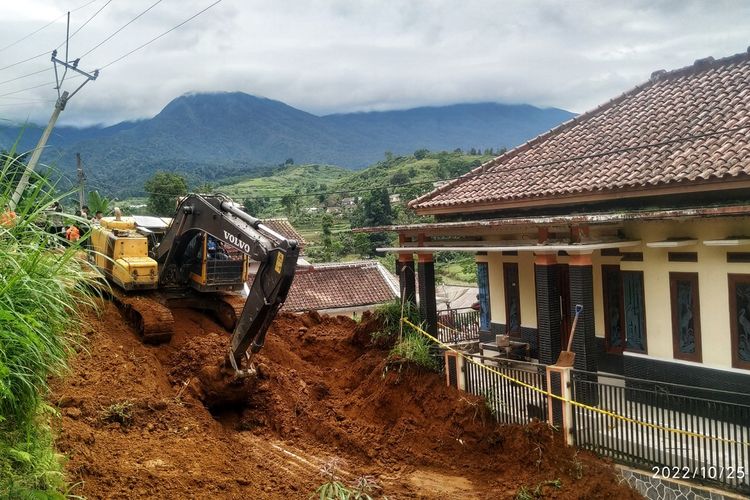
[527, 292]
[713, 288]
[712, 269]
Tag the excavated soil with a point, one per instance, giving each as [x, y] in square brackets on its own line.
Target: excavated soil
[140, 421]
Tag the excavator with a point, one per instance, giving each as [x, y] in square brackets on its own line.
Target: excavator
[200, 260]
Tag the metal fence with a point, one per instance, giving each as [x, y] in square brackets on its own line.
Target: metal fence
[711, 447]
[458, 325]
[509, 402]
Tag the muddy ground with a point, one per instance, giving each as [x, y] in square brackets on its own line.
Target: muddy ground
[134, 425]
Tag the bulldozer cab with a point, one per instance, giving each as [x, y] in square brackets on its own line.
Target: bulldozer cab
[215, 266]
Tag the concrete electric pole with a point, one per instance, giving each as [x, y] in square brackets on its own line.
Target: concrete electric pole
[81, 182]
[62, 100]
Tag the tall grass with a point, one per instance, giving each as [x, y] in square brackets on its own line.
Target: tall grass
[43, 291]
[409, 344]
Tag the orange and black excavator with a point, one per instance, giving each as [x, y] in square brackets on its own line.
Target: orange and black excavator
[197, 259]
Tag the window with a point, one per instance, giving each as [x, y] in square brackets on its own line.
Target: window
[483, 283]
[739, 319]
[613, 316]
[634, 310]
[686, 318]
[512, 299]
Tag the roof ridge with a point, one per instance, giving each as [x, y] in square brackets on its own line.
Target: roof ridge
[342, 265]
[699, 65]
[656, 76]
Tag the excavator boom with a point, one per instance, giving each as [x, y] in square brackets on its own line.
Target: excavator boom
[218, 217]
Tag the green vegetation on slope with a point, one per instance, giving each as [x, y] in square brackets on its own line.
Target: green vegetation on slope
[422, 167]
[287, 179]
[42, 290]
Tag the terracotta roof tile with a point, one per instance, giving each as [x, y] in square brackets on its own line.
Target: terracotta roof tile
[285, 228]
[341, 285]
[679, 127]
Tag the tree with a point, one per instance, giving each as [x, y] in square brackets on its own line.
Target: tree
[290, 202]
[164, 188]
[375, 211]
[399, 178]
[421, 154]
[255, 206]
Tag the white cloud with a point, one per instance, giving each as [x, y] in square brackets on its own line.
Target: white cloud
[328, 56]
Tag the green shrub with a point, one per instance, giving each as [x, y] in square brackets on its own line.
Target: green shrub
[390, 315]
[43, 289]
[416, 348]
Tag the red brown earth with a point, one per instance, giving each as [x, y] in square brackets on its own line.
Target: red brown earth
[134, 426]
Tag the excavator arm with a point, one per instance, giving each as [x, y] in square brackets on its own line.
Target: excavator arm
[277, 255]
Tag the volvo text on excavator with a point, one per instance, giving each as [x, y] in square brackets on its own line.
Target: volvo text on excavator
[199, 259]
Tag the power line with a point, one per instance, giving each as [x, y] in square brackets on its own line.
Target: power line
[44, 27]
[22, 103]
[161, 35]
[28, 88]
[85, 23]
[45, 53]
[34, 87]
[26, 76]
[120, 29]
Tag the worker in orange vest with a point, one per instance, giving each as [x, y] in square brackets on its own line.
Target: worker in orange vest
[72, 234]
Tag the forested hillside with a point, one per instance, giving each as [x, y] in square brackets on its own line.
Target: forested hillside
[214, 137]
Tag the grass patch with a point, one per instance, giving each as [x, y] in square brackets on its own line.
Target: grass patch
[408, 343]
[121, 413]
[43, 289]
[416, 348]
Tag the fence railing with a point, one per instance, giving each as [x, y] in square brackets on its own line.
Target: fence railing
[508, 401]
[458, 325]
[673, 431]
[710, 447]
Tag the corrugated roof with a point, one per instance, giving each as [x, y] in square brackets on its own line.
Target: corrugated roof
[341, 285]
[683, 127]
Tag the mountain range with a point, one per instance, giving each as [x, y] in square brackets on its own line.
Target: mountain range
[212, 136]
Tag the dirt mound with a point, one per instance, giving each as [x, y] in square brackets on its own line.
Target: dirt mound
[134, 422]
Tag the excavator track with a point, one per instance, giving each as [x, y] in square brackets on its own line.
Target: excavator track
[226, 307]
[153, 320]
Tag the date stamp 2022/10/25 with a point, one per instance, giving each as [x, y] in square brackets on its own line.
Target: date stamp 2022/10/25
[704, 472]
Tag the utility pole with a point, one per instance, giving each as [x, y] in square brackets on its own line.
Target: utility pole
[81, 182]
[62, 100]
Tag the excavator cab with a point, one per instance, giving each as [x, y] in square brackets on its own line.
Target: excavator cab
[215, 266]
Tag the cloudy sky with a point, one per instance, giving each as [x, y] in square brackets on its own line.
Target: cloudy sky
[326, 56]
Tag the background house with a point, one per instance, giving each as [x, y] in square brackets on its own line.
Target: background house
[639, 210]
[335, 288]
[341, 288]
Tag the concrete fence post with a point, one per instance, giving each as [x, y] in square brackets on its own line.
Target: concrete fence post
[560, 413]
[454, 370]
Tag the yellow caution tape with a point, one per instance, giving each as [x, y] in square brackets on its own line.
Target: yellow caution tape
[571, 401]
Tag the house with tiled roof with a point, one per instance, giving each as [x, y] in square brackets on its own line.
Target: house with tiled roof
[285, 228]
[638, 210]
[341, 288]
